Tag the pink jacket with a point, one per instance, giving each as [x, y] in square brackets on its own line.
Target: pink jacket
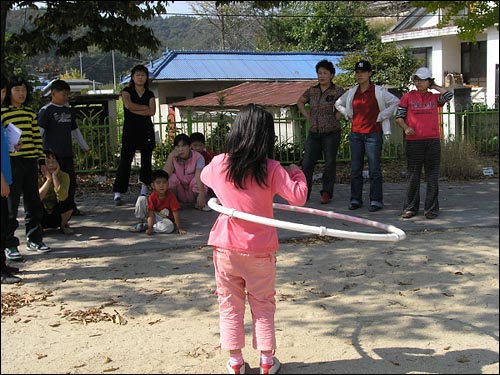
[245, 236]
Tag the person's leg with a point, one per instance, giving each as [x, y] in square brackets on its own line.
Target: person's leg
[163, 225]
[65, 216]
[330, 144]
[175, 186]
[123, 173]
[141, 208]
[231, 296]
[3, 233]
[33, 210]
[52, 220]
[312, 153]
[432, 164]
[357, 146]
[260, 279]
[67, 165]
[373, 146]
[65, 211]
[146, 167]
[415, 161]
[18, 172]
[6, 271]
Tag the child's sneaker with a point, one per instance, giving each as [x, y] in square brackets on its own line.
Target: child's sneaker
[268, 369]
[139, 227]
[236, 369]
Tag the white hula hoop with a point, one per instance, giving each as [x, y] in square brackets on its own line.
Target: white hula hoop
[394, 233]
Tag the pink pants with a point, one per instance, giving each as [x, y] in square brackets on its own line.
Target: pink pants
[236, 272]
[186, 193]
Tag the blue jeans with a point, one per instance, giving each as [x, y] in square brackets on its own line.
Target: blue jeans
[318, 144]
[371, 146]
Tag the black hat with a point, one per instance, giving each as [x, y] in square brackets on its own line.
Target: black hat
[363, 65]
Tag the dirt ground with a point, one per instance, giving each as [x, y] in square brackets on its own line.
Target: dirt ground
[428, 304]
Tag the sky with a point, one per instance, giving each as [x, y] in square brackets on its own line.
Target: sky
[182, 7]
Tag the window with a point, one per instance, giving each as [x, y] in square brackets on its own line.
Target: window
[474, 63]
[423, 55]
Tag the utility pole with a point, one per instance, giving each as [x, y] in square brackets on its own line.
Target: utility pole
[114, 72]
[81, 66]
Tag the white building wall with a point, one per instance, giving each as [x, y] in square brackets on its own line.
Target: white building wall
[437, 55]
[491, 62]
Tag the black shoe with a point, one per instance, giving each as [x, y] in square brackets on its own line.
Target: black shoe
[355, 206]
[9, 279]
[118, 201]
[431, 215]
[374, 208]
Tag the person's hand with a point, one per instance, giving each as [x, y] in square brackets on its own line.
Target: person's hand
[149, 231]
[409, 131]
[45, 172]
[58, 168]
[293, 167]
[18, 146]
[175, 152]
[5, 187]
[181, 231]
[200, 201]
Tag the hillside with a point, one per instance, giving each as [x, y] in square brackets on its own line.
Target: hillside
[175, 33]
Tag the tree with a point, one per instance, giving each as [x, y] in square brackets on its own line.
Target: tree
[392, 65]
[70, 27]
[235, 26]
[479, 15]
[319, 26]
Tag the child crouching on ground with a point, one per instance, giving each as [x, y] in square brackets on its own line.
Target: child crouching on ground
[53, 189]
[160, 211]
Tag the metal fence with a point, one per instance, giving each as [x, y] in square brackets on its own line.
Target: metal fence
[476, 125]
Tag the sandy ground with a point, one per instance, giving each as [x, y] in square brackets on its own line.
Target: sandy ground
[428, 304]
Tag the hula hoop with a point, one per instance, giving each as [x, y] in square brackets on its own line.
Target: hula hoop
[394, 233]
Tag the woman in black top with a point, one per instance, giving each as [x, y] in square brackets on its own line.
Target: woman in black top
[138, 131]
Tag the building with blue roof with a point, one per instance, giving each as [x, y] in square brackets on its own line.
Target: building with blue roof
[181, 75]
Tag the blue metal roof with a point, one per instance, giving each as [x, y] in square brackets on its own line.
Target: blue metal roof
[239, 65]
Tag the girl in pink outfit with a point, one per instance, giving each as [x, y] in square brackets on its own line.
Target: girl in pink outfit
[247, 179]
[184, 166]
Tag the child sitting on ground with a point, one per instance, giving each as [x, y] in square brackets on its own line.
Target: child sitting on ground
[160, 212]
[184, 166]
[198, 145]
[54, 194]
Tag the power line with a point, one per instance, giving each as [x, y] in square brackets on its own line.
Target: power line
[293, 15]
[299, 15]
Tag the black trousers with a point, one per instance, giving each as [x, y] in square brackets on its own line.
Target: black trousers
[123, 173]
[5, 218]
[25, 182]
[426, 154]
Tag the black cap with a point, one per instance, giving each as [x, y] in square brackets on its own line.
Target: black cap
[363, 65]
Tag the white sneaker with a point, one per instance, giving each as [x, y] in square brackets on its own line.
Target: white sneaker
[235, 370]
[139, 227]
[268, 369]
